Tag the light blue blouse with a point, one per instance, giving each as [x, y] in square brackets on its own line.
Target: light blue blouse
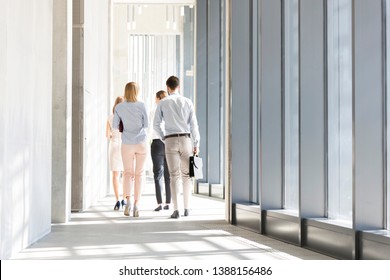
[135, 121]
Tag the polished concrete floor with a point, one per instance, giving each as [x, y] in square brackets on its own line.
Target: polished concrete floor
[100, 233]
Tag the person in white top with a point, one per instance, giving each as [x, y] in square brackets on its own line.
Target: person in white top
[114, 154]
[160, 167]
[181, 135]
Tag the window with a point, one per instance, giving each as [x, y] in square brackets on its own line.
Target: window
[153, 58]
[291, 105]
[339, 110]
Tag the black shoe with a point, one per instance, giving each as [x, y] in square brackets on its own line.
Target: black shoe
[159, 208]
[123, 203]
[175, 214]
[166, 207]
[186, 212]
[117, 205]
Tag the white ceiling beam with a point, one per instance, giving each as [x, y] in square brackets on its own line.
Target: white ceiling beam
[150, 2]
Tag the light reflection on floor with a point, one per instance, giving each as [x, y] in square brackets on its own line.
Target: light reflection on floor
[101, 233]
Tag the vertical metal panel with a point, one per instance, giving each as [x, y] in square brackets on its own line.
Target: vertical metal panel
[213, 91]
[312, 108]
[255, 107]
[271, 104]
[368, 115]
[201, 79]
[241, 100]
[386, 49]
[229, 211]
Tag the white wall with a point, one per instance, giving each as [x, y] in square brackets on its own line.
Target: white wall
[26, 60]
[25, 123]
[96, 97]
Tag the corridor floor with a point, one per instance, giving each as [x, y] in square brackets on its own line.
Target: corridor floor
[100, 233]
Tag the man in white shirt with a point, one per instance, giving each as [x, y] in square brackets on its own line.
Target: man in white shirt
[181, 140]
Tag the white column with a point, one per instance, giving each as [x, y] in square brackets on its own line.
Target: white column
[62, 109]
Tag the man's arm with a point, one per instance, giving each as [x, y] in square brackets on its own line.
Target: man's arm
[194, 129]
[158, 118]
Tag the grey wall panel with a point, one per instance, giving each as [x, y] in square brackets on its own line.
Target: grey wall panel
[368, 115]
[371, 250]
[374, 246]
[271, 105]
[248, 216]
[329, 241]
[312, 108]
[241, 100]
[283, 227]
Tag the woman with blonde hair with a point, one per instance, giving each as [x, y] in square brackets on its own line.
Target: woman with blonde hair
[132, 113]
[114, 153]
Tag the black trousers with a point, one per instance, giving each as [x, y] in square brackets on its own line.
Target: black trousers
[160, 171]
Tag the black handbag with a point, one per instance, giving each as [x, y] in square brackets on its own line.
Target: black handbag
[196, 165]
[120, 125]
